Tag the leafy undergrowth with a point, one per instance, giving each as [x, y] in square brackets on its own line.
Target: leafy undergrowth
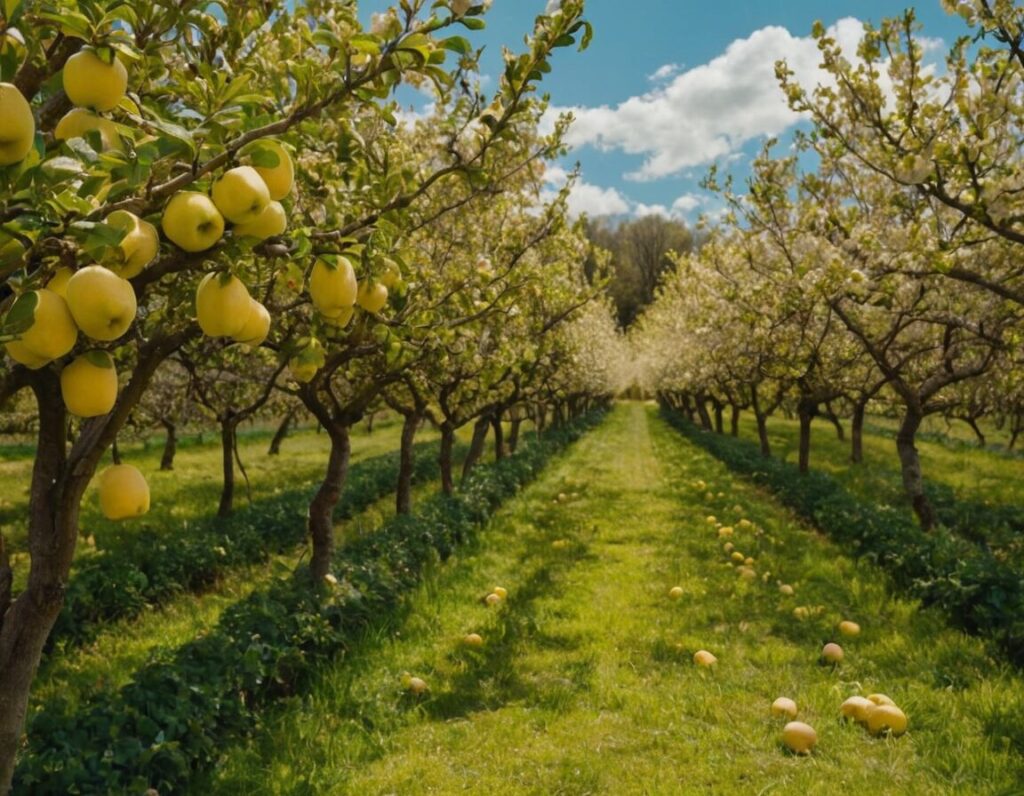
[174, 716]
[585, 682]
[978, 590]
[977, 493]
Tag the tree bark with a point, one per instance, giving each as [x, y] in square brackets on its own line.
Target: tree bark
[281, 433]
[115, 453]
[835, 421]
[228, 430]
[170, 445]
[702, 413]
[445, 461]
[719, 419]
[857, 432]
[805, 411]
[476, 445]
[910, 463]
[499, 438]
[762, 435]
[734, 421]
[321, 508]
[403, 494]
[513, 434]
[977, 431]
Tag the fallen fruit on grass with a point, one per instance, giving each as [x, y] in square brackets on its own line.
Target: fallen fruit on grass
[784, 706]
[799, 737]
[473, 640]
[728, 547]
[749, 561]
[880, 699]
[786, 589]
[848, 628]
[704, 658]
[724, 531]
[416, 686]
[886, 719]
[747, 573]
[737, 556]
[801, 612]
[744, 524]
[856, 708]
[675, 592]
[492, 599]
[501, 591]
[832, 653]
[710, 519]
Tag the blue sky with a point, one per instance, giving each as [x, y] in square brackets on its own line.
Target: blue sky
[645, 137]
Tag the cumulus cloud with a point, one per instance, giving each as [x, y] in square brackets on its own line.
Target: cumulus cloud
[594, 200]
[664, 72]
[709, 111]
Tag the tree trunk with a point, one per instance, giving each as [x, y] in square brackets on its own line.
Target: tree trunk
[835, 421]
[321, 508]
[857, 433]
[403, 495]
[170, 445]
[805, 411]
[910, 462]
[115, 453]
[977, 431]
[734, 421]
[53, 530]
[499, 438]
[762, 435]
[719, 419]
[513, 434]
[447, 444]
[281, 433]
[702, 412]
[476, 445]
[227, 444]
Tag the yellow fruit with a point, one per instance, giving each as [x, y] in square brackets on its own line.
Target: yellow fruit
[848, 628]
[799, 737]
[801, 612]
[59, 281]
[91, 82]
[46, 328]
[341, 320]
[786, 589]
[271, 222]
[138, 247]
[79, 121]
[676, 592]
[417, 686]
[492, 599]
[704, 658]
[102, 303]
[88, 384]
[17, 125]
[711, 520]
[240, 195]
[501, 591]
[832, 653]
[124, 492]
[880, 699]
[886, 719]
[372, 297]
[744, 524]
[748, 561]
[856, 708]
[333, 289]
[784, 706]
[725, 531]
[223, 305]
[728, 547]
[19, 353]
[473, 640]
[192, 222]
[307, 361]
[390, 276]
[257, 326]
[746, 572]
[279, 178]
[737, 556]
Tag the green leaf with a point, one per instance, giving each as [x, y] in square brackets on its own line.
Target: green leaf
[11, 8]
[473, 24]
[457, 44]
[22, 314]
[364, 43]
[62, 166]
[99, 358]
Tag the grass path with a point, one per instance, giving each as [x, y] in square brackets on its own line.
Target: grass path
[585, 682]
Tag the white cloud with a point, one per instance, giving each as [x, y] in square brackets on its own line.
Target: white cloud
[594, 200]
[664, 72]
[710, 111]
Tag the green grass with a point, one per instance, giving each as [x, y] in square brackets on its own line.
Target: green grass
[988, 476]
[585, 683]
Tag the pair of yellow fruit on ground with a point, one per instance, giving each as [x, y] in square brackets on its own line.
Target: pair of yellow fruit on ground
[876, 712]
[246, 196]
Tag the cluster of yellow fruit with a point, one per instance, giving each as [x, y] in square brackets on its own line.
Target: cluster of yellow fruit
[497, 596]
[876, 712]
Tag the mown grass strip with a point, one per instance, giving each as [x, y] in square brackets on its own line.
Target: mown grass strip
[973, 587]
[173, 718]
